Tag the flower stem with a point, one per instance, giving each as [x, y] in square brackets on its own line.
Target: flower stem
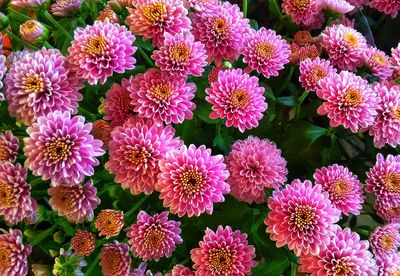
[145, 56]
[47, 45]
[25, 43]
[38, 238]
[136, 206]
[244, 8]
[57, 25]
[299, 103]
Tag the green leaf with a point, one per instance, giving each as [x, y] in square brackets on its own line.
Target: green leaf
[254, 24]
[203, 111]
[301, 135]
[286, 101]
[146, 45]
[274, 8]
[275, 267]
[223, 142]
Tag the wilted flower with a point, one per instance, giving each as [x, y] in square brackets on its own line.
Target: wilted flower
[115, 259]
[13, 254]
[65, 7]
[109, 222]
[83, 243]
[378, 63]
[9, 146]
[312, 71]
[385, 240]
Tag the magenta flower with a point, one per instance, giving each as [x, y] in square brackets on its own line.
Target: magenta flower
[301, 217]
[391, 7]
[180, 270]
[76, 203]
[301, 11]
[378, 63]
[389, 265]
[388, 211]
[162, 97]
[65, 7]
[153, 237]
[9, 146]
[395, 59]
[61, 148]
[344, 45]
[312, 71]
[224, 252]
[115, 259]
[265, 51]
[254, 165]
[28, 3]
[385, 240]
[238, 98]
[221, 29]
[201, 5]
[16, 203]
[344, 254]
[16, 56]
[99, 50]
[3, 70]
[191, 180]
[349, 101]
[336, 6]
[344, 189]
[40, 83]
[135, 151]
[153, 18]
[14, 254]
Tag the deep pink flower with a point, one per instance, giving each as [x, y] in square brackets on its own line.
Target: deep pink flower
[344, 254]
[385, 240]
[101, 49]
[378, 63]
[391, 7]
[301, 217]
[153, 237]
[264, 51]
[192, 180]
[180, 270]
[344, 189]
[395, 59]
[61, 148]
[9, 146]
[348, 101]
[221, 29]
[336, 6]
[153, 18]
[115, 259]
[254, 165]
[238, 98]
[388, 211]
[65, 7]
[301, 11]
[13, 254]
[162, 97]
[312, 71]
[389, 265]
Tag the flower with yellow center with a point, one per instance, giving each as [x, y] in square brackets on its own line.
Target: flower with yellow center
[153, 238]
[109, 222]
[58, 149]
[5, 260]
[352, 97]
[351, 39]
[33, 84]
[387, 241]
[219, 27]
[341, 188]
[179, 52]
[303, 217]
[240, 98]
[265, 50]
[341, 269]
[301, 5]
[380, 59]
[391, 182]
[7, 198]
[317, 73]
[137, 156]
[191, 182]
[155, 13]
[220, 260]
[97, 45]
[161, 92]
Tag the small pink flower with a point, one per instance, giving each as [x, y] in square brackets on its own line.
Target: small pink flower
[391, 7]
[336, 6]
[14, 254]
[180, 270]
[389, 265]
[9, 146]
[385, 240]
[388, 211]
[312, 71]
[301, 11]
[378, 63]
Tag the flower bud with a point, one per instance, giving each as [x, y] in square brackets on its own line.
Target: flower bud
[33, 32]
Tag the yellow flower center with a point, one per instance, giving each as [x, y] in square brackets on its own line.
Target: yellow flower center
[7, 198]
[395, 273]
[380, 59]
[3, 151]
[58, 149]
[341, 188]
[179, 52]
[64, 198]
[353, 97]
[220, 260]
[391, 182]
[191, 182]
[5, 259]
[317, 73]
[219, 26]
[153, 237]
[387, 241]
[155, 13]
[351, 39]
[161, 91]
[33, 84]
[303, 217]
[111, 261]
[137, 157]
[240, 98]
[265, 49]
[29, 27]
[341, 269]
[301, 5]
[96, 45]
[396, 113]
[109, 222]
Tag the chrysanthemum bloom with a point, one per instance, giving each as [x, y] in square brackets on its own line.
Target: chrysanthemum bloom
[180, 55]
[221, 29]
[162, 97]
[3, 70]
[117, 104]
[300, 53]
[201, 5]
[254, 165]
[16, 203]
[346, 21]
[109, 222]
[301, 217]
[180, 270]
[344, 45]
[344, 254]
[389, 265]
[65, 7]
[9, 146]
[395, 59]
[312, 71]
[223, 252]
[303, 38]
[33, 31]
[348, 101]
[344, 189]
[153, 18]
[238, 98]
[142, 270]
[191, 180]
[386, 127]
[385, 240]
[135, 151]
[388, 211]
[153, 237]
[358, 3]
[301, 11]
[336, 6]
[68, 264]
[76, 203]
[102, 131]
[378, 63]
[99, 50]
[28, 3]
[40, 83]
[109, 14]
[83, 243]
[15, 56]
[213, 75]
[391, 7]
[115, 259]
[13, 254]
[264, 51]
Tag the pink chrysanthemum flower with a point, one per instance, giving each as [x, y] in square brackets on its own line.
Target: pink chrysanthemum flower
[16, 203]
[83, 243]
[40, 83]
[61, 148]
[391, 7]
[115, 259]
[221, 29]
[384, 179]
[344, 45]
[336, 6]
[16, 56]
[135, 151]
[9, 146]
[238, 98]
[180, 55]
[117, 104]
[180, 270]
[28, 3]
[254, 165]
[264, 51]
[358, 3]
[213, 75]
[386, 127]
[102, 131]
[142, 270]
[344, 189]
[349, 101]
[301, 217]
[191, 180]
[385, 240]
[201, 5]
[388, 211]
[346, 21]
[76, 203]
[389, 265]
[344, 254]
[378, 63]
[65, 7]
[312, 71]
[162, 97]
[14, 254]
[3, 70]
[395, 59]
[99, 50]
[153, 18]
[223, 252]
[153, 237]
[301, 11]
